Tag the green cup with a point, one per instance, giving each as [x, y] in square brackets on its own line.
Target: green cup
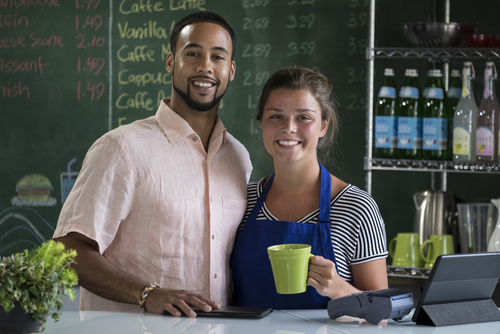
[290, 264]
[404, 251]
[437, 245]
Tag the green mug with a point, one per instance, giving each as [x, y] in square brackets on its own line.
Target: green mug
[290, 264]
[437, 245]
[404, 251]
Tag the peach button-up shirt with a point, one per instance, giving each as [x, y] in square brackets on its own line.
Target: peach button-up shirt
[159, 206]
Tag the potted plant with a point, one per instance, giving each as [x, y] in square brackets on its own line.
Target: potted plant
[32, 285]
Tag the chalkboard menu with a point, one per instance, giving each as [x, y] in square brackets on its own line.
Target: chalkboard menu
[72, 70]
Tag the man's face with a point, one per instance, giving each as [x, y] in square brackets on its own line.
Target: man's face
[202, 67]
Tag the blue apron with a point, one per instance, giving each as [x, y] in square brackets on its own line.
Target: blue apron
[252, 273]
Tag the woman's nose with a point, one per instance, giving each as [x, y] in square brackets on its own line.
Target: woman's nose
[289, 125]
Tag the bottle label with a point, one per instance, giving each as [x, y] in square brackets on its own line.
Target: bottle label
[434, 93]
[385, 131]
[484, 141]
[435, 133]
[409, 133]
[454, 93]
[409, 92]
[387, 92]
[461, 141]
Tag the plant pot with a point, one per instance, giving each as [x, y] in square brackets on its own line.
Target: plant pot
[18, 321]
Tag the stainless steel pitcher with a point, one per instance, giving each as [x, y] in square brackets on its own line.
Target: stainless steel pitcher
[435, 215]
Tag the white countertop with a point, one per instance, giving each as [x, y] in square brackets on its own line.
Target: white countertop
[278, 322]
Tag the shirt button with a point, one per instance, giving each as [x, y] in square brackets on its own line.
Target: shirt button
[195, 138]
[215, 275]
[213, 236]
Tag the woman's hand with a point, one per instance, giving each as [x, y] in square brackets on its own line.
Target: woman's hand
[324, 278]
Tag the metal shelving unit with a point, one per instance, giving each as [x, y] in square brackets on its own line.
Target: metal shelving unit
[443, 55]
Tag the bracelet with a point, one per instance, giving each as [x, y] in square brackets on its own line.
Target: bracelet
[145, 293]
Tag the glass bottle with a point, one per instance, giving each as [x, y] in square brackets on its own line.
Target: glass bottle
[464, 120]
[385, 127]
[487, 119]
[410, 118]
[455, 89]
[436, 119]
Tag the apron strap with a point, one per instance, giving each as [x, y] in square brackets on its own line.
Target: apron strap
[325, 195]
[260, 200]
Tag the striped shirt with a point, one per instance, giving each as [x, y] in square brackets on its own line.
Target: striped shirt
[357, 228]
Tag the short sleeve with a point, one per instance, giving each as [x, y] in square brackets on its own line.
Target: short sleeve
[102, 195]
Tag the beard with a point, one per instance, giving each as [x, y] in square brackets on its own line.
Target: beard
[198, 106]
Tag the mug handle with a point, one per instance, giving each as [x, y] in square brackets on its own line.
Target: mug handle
[310, 257]
[392, 248]
[426, 258]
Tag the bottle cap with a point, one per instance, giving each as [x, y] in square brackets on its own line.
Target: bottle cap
[468, 64]
[411, 72]
[490, 64]
[434, 73]
[389, 72]
[455, 73]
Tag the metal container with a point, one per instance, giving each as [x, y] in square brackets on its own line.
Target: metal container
[436, 34]
[435, 215]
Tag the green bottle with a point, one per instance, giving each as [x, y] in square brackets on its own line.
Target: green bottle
[410, 118]
[385, 120]
[436, 144]
[455, 90]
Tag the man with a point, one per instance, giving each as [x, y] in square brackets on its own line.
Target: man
[154, 211]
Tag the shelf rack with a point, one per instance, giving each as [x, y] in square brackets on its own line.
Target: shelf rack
[430, 166]
[408, 272]
[443, 55]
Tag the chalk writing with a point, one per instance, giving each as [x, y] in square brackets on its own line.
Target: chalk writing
[187, 4]
[94, 64]
[94, 22]
[23, 66]
[28, 3]
[94, 42]
[12, 42]
[139, 54]
[255, 3]
[257, 50]
[15, 90]
[124, 78]
[46, 41]
[9, 20]
[149, 30]
[139, 101]
[140, 7]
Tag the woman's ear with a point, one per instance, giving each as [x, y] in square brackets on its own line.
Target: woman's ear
[324, 127]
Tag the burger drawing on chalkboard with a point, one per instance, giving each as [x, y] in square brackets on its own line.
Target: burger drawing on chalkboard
[34, 190]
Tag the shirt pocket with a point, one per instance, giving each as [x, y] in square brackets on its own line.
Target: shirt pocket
[233, 210]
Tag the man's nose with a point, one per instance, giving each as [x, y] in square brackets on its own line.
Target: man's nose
[205, 64]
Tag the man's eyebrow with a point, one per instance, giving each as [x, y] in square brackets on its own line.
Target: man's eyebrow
[198, 46]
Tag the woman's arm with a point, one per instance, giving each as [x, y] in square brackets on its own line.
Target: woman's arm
[366, 276]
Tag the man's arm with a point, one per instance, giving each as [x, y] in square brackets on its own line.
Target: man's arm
[101, 277]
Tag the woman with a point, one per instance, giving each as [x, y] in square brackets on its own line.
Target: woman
[303, 203]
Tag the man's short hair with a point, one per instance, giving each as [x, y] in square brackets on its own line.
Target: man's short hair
[201, 17]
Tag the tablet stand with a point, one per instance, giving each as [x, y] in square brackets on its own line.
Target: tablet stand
[459, 313]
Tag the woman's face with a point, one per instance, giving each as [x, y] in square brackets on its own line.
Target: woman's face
[292, 125]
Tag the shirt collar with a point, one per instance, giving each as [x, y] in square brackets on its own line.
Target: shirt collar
[176, 128]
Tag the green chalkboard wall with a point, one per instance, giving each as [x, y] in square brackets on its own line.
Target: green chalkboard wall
[72, 70]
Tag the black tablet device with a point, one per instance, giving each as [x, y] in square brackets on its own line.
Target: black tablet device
[234, 312]
[459, 290]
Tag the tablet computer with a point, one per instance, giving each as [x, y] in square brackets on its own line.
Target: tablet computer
[234, 312]
[457, 281]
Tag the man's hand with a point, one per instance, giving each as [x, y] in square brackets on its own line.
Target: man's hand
[175, 301]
